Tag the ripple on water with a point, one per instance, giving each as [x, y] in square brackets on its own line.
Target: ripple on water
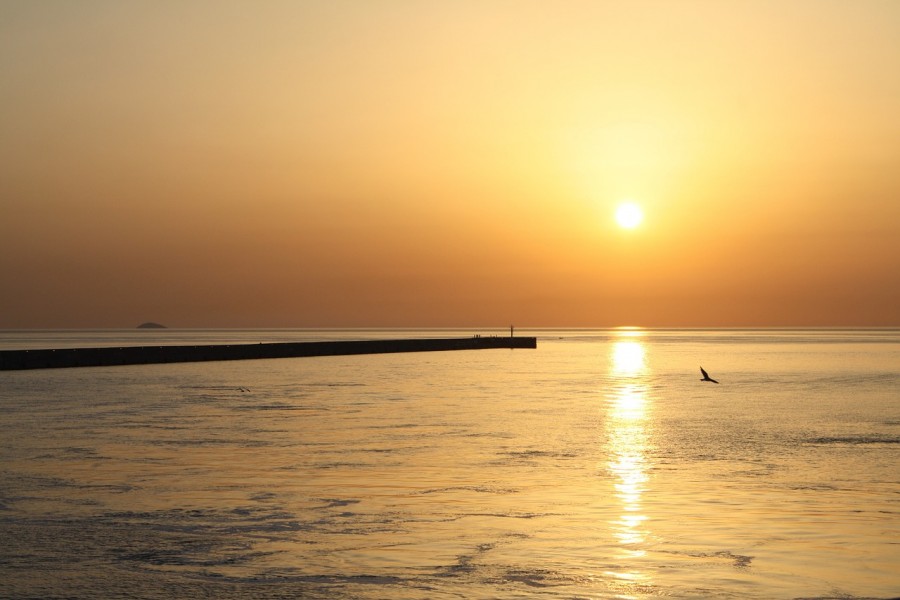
[855, 440]
[482, 489]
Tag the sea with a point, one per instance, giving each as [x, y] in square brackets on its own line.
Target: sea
[598, 465]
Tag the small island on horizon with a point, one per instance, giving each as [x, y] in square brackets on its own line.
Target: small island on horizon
[151, 325]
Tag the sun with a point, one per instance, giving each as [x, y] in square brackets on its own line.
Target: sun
[629, 215]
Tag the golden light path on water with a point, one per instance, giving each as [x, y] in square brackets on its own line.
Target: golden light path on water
[628, 442]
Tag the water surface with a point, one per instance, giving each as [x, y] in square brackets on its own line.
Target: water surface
[597, 466]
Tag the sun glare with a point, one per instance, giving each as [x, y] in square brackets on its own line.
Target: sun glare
[629, 215]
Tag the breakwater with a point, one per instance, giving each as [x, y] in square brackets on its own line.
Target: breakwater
[12, 360]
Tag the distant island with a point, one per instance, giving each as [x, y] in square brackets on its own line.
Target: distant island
[151, 325]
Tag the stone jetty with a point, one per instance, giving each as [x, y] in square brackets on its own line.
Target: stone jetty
[12, 360]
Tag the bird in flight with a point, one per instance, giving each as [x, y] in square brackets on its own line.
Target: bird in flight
[706, 376]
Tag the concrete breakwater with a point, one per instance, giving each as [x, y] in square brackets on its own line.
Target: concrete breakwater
[12, 360]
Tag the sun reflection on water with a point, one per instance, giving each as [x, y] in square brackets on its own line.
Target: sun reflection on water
[627, 447]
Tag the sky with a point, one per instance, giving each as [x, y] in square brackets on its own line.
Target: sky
[408, 163]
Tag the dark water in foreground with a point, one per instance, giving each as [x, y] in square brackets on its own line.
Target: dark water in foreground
[597, 466]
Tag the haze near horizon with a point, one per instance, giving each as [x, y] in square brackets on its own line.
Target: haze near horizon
[342, 164]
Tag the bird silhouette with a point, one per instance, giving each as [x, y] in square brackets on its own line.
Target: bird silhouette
[706, 376]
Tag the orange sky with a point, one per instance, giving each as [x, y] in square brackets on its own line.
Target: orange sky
[409, 163]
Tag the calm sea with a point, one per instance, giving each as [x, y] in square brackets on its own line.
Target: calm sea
[597, 466]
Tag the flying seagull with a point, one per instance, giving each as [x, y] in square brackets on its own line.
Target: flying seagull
[706, 376]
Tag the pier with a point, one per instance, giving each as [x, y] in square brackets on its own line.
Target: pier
[14, 360]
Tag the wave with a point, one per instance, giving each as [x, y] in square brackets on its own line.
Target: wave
[855, 440]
